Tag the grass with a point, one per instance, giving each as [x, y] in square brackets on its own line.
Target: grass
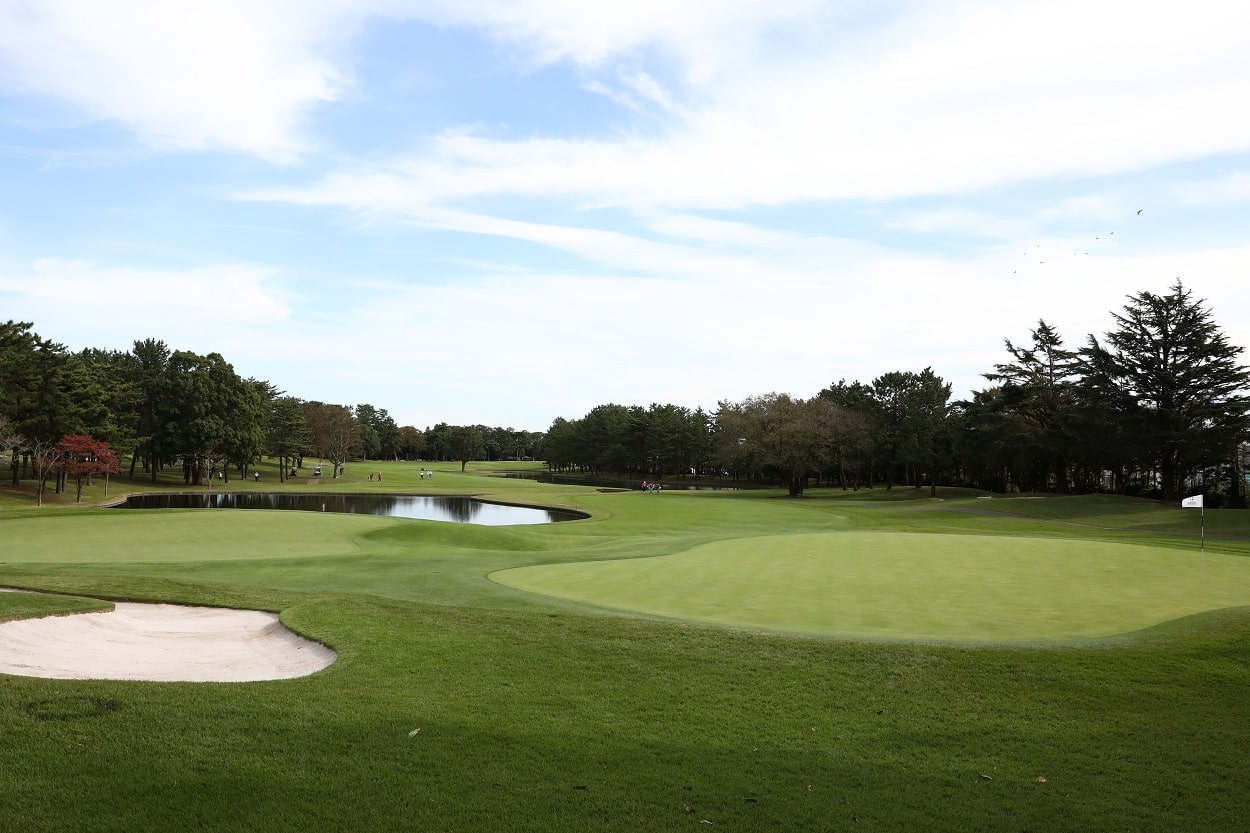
[34, 605]
[909, 585]
[546, 713]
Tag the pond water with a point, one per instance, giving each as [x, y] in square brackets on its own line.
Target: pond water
[421, 507]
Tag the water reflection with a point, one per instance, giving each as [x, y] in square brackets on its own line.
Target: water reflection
[421, 507]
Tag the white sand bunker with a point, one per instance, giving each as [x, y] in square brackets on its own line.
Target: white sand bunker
[159, 642]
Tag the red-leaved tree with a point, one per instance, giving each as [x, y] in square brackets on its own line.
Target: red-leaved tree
[84, 456]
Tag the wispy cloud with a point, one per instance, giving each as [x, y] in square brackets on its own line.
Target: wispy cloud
[228, 75]
[780, 100]
[958, 99]
[95, 301]
[781, 194]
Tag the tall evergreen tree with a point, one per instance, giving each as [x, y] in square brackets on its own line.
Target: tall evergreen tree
[1038, 400]
[147, 373]
[213, 418]
[913, 410]
[288, 436]
[1169, 375]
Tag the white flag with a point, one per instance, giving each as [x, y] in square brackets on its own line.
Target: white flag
[1194, 502]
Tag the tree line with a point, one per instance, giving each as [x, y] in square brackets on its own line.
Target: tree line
[65, 414]
[1157, 407]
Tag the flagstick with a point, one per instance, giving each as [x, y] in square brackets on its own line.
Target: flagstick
[1189, 503]
[1202, 539]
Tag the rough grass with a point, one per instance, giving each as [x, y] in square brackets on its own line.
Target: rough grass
[545, 714]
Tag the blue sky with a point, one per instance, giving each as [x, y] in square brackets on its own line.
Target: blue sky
[503, 213]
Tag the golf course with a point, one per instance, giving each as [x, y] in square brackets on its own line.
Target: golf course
[734, 659]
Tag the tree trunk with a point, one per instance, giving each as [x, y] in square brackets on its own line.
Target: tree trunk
[1168, 480]
[1237, 490]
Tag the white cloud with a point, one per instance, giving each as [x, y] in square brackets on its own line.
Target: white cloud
[241, 76]
[93, 302]
[766, 102]
[229, 74]
[522, 348]
[948, 100]
[694, 340]
[697, 35]
[956, 220]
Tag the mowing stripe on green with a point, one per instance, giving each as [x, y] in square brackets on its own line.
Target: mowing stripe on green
[909, 585]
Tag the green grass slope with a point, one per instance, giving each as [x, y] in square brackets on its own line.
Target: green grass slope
[458, 703]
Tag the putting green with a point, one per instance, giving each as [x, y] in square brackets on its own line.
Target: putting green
[909, 585]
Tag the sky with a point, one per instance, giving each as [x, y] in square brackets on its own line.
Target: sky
[502, 213]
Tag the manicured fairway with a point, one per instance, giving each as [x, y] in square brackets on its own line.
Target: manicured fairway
[909, 585]
[668, 674]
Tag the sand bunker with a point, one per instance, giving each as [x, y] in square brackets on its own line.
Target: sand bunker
[159, 642]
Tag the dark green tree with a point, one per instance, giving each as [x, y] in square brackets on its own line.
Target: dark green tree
[778, 436]
[146, 375]
[287, 434]
[912, 428]
[36, 390]
[12, 444]
[18, 347]
[989, 442]
[1038, 400]
[860, 425]
[411, 442]
[464, 443]
[370, 441]
[562, 444]
[670, 439]
[1169, 379]
[604, 439]
[213, 417]
[389, 438]
[434, 441]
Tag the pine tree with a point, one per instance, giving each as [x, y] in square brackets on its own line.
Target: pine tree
[1170, 375]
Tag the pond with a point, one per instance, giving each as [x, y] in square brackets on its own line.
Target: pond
[420, 507]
